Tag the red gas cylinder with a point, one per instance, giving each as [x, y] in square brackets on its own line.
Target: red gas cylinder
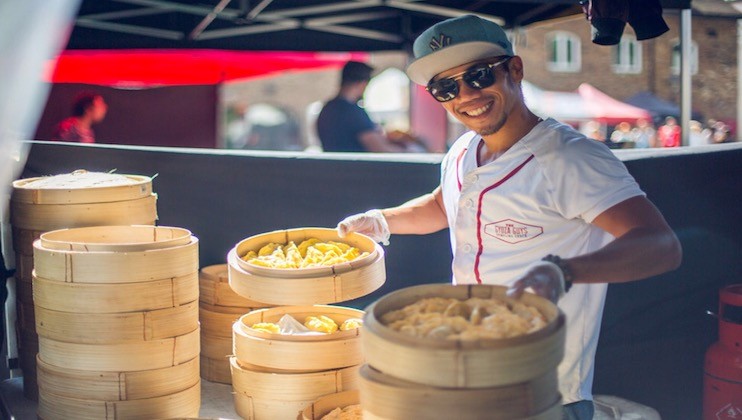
[722, 379]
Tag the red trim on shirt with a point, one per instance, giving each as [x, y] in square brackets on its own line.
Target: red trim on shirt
[458, 166]
[479, 215]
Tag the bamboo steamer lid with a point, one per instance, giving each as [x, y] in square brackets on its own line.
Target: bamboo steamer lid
[306, 286]
[298, 352]
[45, 217]
[179, 404]
[216, 370]
[81, 186]
[117, 386]
[121, 357]
[115, 297]
[217, 320]
[112, 265]
[383, 396]
[121, 327]
[323, 405]
[263, 394]
[215, 289]
[462, 364]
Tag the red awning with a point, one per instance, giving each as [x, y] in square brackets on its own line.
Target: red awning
[141, 68]
[607, 110]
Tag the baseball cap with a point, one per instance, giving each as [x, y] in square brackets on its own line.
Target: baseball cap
[454, 42]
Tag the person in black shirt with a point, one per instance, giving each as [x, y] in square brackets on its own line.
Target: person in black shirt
[343, 126]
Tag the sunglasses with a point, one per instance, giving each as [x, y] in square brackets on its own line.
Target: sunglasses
[478, 76]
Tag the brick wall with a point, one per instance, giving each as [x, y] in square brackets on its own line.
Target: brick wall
[714, 91]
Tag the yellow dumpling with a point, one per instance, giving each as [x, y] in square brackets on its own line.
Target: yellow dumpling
[351, 323]
[268, 327]
[321, 323]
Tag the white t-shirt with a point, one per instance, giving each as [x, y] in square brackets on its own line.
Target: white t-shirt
[538, 198]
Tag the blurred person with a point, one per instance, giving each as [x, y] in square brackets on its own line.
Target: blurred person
[343, 125]
[88, 108]
[622, 135]
[644, 134]
[697, 136]
[720, 132]
[529, 203]
[668, 134]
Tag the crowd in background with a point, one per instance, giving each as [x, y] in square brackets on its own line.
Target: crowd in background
[644, 134]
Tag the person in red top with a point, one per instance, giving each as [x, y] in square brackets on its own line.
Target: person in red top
[87, 109]
[669, 134]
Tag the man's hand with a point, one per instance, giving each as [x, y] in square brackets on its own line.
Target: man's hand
[371, 223]
[545, 278]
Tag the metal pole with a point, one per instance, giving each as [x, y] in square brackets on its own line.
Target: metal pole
[685, 74]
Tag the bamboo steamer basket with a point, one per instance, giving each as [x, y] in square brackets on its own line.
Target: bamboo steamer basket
[23, 241]
[24, 291]
[81, 186]
[324, 405]
[306, 286]
[217, 348]
[121, 357]
[462, 364]
[115, 238]
[216, 370]
[385, 397]
[46, 217]
[264, 394]
[110, 328]
[298, 352]
[112, 262]
[26, 315]
[179, 404]
[215, 289]
[23, 267]
[117, 386]
[116, 297]
[217, 320]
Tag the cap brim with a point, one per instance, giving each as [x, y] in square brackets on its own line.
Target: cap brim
[422, 70]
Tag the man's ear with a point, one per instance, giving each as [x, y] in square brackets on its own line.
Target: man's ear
[515, 68]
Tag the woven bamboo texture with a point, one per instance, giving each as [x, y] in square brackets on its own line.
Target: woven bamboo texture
[117, 386]
[461, 364]
[121, 357]
[116, 297]
[180, 404]
[323, 405]
[122, 327]
[216, 348]
[116, 267]
[298, 352]
[320, 289]
[81, 187]
[216, 370]
[215, 289]
[390, 398]
[217, 320]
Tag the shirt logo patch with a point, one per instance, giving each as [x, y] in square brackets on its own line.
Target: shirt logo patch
[512, 231]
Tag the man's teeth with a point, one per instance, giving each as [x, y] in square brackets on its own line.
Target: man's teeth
[479, 111]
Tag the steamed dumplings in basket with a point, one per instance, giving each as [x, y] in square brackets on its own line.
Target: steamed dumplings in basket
[309, 253]
[471, 319]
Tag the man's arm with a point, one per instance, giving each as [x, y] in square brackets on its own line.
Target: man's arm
[419, 216]
[376, 141]
[645, 245]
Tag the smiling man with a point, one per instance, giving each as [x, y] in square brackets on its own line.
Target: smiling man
[530, 203]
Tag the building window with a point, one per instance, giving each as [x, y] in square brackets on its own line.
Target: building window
[627, 56]
[564, 52]
[675, 67]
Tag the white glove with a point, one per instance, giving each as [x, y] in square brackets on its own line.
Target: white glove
[544, 277]
[371, 223]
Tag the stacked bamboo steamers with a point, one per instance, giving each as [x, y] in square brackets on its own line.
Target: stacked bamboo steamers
[72, 200]
[116, 313]
[276, 376]
[408, 377]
